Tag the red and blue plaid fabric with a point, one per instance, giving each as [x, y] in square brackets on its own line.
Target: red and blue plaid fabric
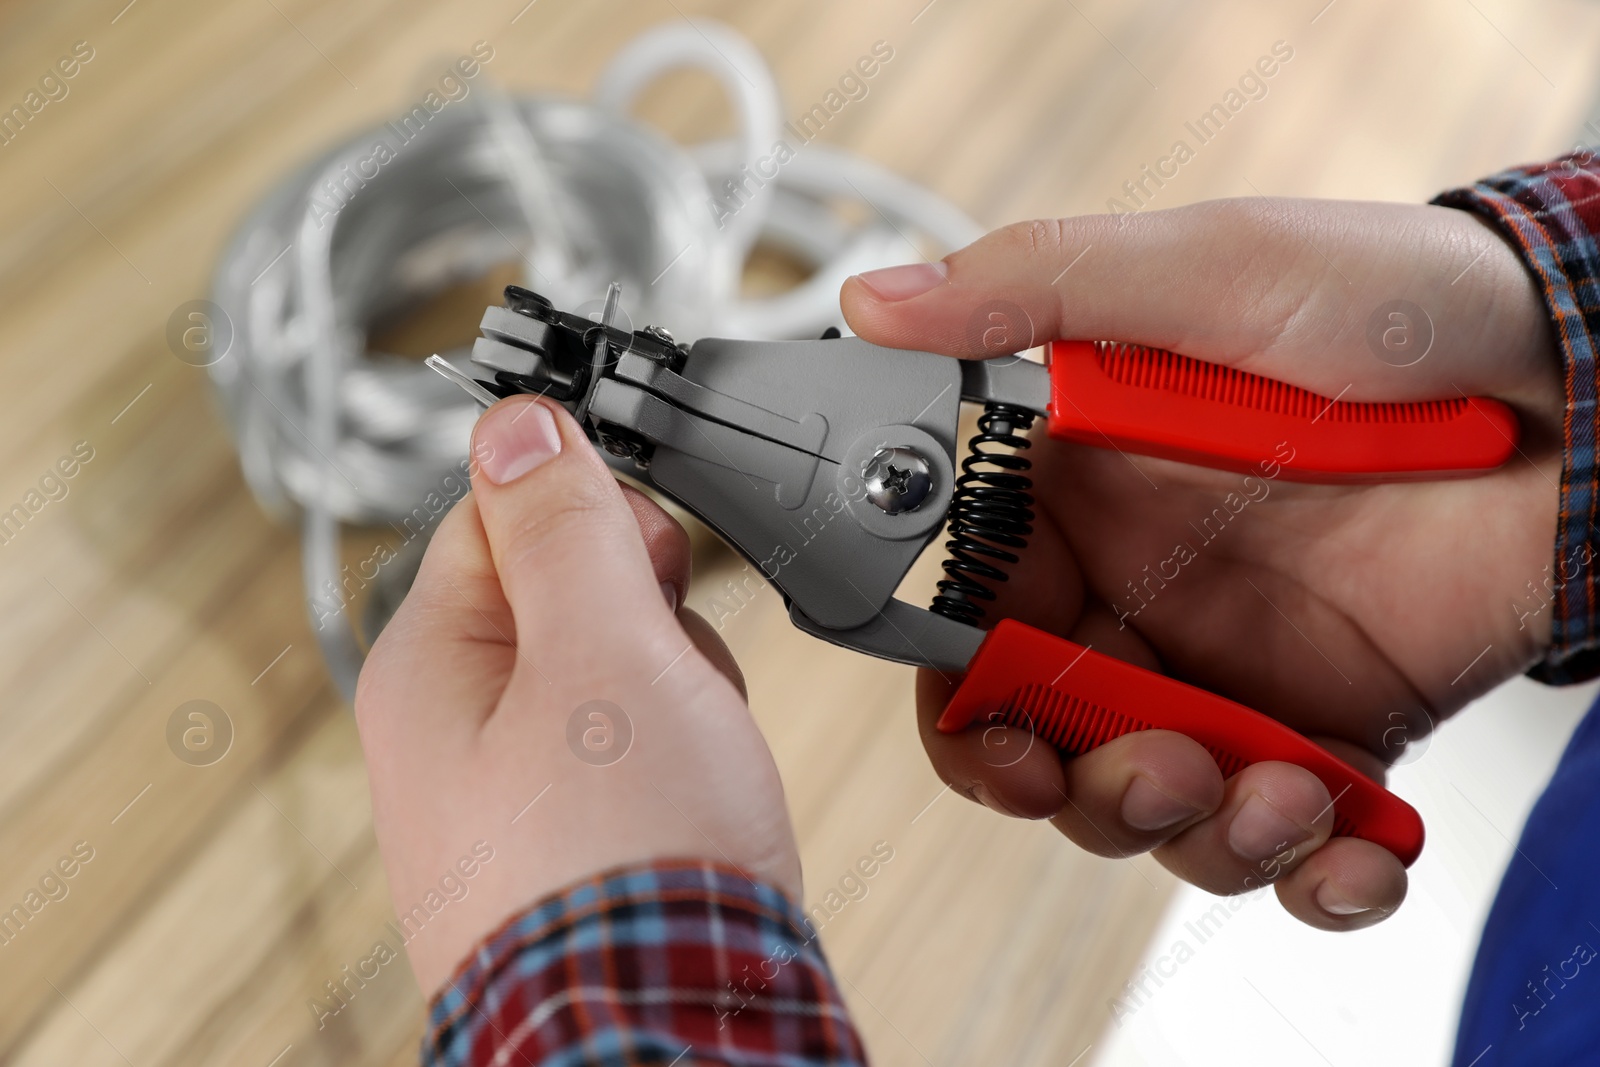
[675, 962]
[1550, 212]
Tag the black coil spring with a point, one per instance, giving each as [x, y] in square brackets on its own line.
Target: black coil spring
[991, 513]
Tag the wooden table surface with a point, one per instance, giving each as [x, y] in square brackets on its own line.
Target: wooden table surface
[220, 898]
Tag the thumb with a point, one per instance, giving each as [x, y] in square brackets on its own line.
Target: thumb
[568, 550]
[1286, 289]
[1090, 277]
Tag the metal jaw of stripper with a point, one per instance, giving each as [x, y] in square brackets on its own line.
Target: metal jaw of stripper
[829, 464]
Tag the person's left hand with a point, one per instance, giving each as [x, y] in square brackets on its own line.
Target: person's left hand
[548, 589]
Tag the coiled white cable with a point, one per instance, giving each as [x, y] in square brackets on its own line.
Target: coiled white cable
[331, 432]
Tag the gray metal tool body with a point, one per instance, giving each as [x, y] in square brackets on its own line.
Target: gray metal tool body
[829, 464]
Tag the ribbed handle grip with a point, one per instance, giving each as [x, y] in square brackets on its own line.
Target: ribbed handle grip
[1076, 699]
[1157, 403]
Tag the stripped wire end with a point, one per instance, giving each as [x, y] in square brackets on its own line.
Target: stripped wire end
[472, 388]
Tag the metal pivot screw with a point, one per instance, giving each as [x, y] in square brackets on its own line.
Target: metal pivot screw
[898, 480]
[660, 333]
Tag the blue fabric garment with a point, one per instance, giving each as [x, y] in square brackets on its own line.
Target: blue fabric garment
[1534, 995]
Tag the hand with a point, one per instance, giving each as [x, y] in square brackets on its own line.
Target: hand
[1358, 615]
[548, 588]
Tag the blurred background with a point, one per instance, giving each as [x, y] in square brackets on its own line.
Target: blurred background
[233, 871]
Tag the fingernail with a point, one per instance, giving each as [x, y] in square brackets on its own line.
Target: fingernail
[903, 283]
[988, 800]
[1261, 831]
[1329, 900]
[514, 439]
[669, 592]
[1144, 807]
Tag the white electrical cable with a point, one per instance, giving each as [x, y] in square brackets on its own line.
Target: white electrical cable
[712, 47]
[333, 432]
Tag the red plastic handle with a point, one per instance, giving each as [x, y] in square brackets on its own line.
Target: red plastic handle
[1157, 403]
[1077, 699]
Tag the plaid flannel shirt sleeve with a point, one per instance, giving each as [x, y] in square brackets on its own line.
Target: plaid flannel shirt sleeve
[1550, 213]
[674, 962]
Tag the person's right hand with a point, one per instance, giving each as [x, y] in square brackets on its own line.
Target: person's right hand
[1358, 615]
